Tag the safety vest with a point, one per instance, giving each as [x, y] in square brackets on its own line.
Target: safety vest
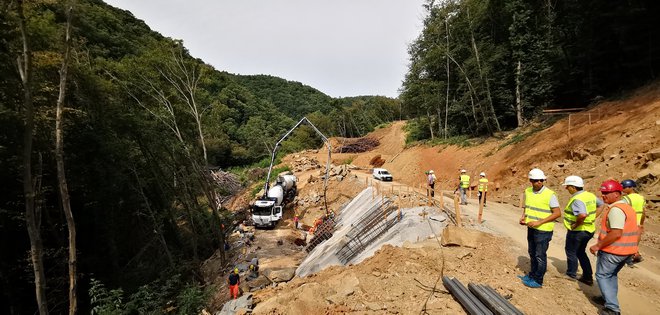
[465, 181]
[627, 243]
[589, 201]
[637, 202]
[537, 207]
[483, 184]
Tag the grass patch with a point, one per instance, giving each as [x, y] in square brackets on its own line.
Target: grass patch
[348, 160]
[520, 137]
[383, 125]
[460, 141]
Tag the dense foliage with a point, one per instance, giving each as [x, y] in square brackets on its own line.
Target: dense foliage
[143, 120]
[482, 66]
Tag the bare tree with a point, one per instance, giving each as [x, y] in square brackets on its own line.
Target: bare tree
[32, 213]
[61, 174]
[518, 107]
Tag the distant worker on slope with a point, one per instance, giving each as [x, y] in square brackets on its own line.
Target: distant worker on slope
[463, 185]
[579, 218]
[234, 280]
[541, 210]
[617, 242]
[638, 203]
[483, 187]
[431, 181]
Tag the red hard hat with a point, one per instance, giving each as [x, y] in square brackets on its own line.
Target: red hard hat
[610, 186]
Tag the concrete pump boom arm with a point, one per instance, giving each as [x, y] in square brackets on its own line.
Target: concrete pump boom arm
[277, 145]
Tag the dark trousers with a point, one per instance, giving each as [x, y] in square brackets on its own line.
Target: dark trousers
[485, 196]
[576, 245]
[537, 247]
[432, 189]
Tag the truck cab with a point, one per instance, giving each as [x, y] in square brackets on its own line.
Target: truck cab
[265, 213]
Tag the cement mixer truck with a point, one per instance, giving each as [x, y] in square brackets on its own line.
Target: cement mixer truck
[267, 210]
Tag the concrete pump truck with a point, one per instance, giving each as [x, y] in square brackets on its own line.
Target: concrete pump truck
[267, 210]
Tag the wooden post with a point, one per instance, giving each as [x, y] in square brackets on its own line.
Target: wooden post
[457, 207]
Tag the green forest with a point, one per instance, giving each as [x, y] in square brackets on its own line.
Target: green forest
[108, 130]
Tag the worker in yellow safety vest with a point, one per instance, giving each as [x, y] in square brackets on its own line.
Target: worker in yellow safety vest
[483, 187]
[539, 214]
[617, 242]
[579, 218]
[638, 203]
[464, 185]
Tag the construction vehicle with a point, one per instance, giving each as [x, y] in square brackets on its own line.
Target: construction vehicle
[269, 208]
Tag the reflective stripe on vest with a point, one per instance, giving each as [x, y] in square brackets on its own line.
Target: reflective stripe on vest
[537, 207]
[465, 181]
[627, 243]
[483, 184]
[589, 201]
[637, 202]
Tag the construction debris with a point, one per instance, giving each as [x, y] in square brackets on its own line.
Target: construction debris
[358, 145]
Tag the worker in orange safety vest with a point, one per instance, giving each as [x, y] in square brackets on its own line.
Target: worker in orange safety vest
[617, 242]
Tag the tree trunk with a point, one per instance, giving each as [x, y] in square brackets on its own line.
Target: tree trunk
[32, 214]
[428, 116]
[61, 175]
[447, 97]
[518, 98]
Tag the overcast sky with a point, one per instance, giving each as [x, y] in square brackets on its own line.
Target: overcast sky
[340, 47]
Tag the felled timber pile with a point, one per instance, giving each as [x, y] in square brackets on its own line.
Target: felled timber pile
[357, 146]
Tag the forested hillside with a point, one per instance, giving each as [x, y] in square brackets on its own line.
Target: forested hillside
[141, 121]
[482, 66]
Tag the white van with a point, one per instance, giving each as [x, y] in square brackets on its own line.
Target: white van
[382, 174]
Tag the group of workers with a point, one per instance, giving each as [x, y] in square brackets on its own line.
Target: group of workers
[620, 228]
[463, 185]
[234, 278]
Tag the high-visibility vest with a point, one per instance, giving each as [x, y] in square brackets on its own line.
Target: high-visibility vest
[465, 181]
[483, 184]
[627, 243]
[637, 202]
[589, 201]
[537, 207]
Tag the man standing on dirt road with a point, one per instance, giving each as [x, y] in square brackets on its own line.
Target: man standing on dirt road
[430, 179]
[483, 187]
[638, 203]
[541, 210]
[234, 280]
[579, 218]
[617, 242]
[464, 185]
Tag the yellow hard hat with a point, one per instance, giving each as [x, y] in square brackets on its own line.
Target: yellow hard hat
[236, 270]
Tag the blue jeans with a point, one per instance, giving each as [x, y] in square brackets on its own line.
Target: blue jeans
[463, 194]
[576, 244]
[537, 247]
[607, 268]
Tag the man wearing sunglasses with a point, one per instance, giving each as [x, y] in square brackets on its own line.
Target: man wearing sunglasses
[541, 210]
[617, 242]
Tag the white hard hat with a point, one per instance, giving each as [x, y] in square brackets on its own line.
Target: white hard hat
[536, 174]
[463, 171]
[431, 171]
[482, 174]
[573, 181]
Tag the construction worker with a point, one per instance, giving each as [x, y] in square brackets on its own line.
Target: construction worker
[254, 271]
[539, 214]
[579, 218]
[464, 185]
[483, 187]
[431, 181]
[234, 280]
[296, 220]
[638, 203]
[617, 242]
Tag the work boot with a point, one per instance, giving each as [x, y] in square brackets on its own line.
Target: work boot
[607, 311]
[531, 283]
[586, 280]
[569, 277]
